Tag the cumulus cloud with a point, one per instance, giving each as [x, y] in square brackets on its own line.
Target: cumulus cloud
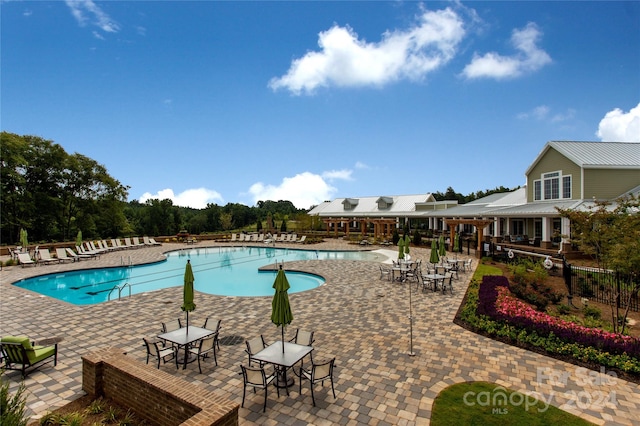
[197, 198]
[618, 126]
[86, 11]
[344, 60]
[303, 190]
[528, 59]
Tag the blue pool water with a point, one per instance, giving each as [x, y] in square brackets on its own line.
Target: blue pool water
[226, 271]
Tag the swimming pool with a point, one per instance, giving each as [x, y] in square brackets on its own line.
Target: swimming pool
[225, 271]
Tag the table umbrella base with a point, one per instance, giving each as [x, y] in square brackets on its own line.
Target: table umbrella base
[282, 380]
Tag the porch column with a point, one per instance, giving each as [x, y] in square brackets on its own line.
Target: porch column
[496, 227]
[565, 230]
[547, 230]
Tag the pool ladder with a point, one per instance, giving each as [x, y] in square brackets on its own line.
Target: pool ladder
[120, 288]
[122, 262]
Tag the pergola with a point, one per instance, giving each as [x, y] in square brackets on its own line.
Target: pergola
[382, 227]
[480, 224]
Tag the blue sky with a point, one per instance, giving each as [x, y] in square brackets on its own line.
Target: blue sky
[217, 102]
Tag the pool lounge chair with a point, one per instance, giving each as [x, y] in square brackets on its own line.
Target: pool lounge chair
[301, 240]
[45, 257]
[148, 241]
[25, 259]
[61, 255]
[77, 256]
[136, 242]
[233, 237]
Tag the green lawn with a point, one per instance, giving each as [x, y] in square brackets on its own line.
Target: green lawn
[483, 403]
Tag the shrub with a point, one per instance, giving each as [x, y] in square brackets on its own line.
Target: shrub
[591, 312]
[564, 309]
[12, 407]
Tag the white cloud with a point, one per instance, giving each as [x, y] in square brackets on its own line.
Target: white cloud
[87, 11]
[197, 198]
[528, 59]
[337, 174]
[344, 60]
[361, 165]
[303, 190]
[618, 126]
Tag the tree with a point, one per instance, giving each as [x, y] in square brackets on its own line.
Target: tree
[610, 234]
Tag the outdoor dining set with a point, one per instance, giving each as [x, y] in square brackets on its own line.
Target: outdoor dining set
[185, 344]
[436, 276]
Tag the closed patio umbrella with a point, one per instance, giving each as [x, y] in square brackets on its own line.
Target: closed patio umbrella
[442, 251]
[24, 241]
[401, 248]
[435, 258]
[280, 309]
[187, 295]
[79, 238]
[407, 243]
[456, 243]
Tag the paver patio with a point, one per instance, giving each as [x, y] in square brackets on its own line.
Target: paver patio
[358, 318]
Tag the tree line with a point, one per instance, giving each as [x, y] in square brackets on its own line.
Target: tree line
[53, 195]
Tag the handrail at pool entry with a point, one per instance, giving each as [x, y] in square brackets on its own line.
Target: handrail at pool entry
[120, 288]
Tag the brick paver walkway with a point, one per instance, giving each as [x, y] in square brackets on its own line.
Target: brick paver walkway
[361, 320]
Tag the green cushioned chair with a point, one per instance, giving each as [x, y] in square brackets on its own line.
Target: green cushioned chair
[18, 354]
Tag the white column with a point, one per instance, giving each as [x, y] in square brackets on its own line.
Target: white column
[546, 229]
[496, 227]
[565, 230]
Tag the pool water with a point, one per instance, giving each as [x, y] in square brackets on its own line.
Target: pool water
[225, 271]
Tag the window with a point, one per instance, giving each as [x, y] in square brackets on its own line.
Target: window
[566, 186]
[550, 187]
[517, 227]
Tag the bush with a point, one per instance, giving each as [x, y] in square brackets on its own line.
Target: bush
[564, 309]
[591, 312]
[12, 408]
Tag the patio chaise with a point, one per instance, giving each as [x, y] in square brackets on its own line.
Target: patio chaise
[77, 256]
[25, 259]
[19, 354]
[61, 255]
[45, 256]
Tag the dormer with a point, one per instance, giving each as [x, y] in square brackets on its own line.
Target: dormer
[350, 203]
[384, 202]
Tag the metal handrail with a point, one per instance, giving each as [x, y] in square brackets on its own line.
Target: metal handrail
[120, 288]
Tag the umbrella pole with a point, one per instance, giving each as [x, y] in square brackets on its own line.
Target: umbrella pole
[411, 353]
[282, 338]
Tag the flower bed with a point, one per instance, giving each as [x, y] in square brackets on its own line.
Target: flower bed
[495, 300]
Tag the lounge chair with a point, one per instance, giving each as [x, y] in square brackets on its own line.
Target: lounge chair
[233, 237]
[117, 243]
[96, 249]
[147, 241]
[82, 250]
[45, 256]
[77, 256]
[61, 255]
[137, 243]
[154, 242]
[301, 240]
[128, 244]
[261, 237]
[19, 354]
[241, 237]
[25, 259]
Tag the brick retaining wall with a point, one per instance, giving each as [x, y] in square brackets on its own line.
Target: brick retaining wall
[153, 394]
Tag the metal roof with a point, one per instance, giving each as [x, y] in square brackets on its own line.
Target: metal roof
[589, 155]
[402, 205]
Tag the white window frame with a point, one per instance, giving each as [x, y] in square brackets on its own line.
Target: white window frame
[552, 186]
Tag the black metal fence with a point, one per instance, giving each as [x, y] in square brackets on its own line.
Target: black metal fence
[601, 286]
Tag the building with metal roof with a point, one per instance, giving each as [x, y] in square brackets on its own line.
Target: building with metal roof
[566, 174]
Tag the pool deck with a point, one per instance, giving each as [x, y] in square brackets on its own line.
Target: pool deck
[361, 320]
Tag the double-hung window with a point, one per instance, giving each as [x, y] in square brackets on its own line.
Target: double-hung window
[550, 188]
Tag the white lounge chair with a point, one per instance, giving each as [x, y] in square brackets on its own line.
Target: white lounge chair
[137, 243]
[154, 242]
[61, 255]
[233, 237]
[45, 257]
[77, 256]
[25, 259]
[147, 241]
[301, 240]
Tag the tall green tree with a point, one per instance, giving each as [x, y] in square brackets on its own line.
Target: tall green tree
[610, 234]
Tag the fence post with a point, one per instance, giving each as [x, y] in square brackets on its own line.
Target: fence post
[566, 272]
